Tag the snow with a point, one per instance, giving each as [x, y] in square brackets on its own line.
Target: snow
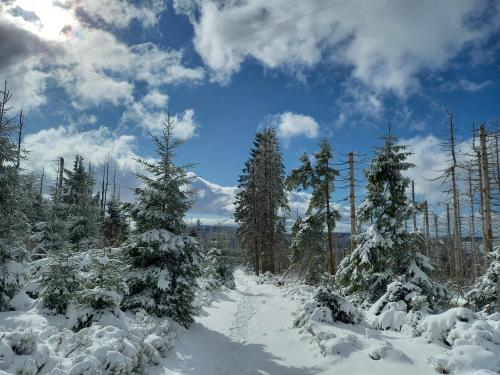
[249, 330]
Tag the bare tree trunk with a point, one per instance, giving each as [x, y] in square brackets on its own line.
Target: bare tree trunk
[451, 243]
[413, 201]
[456, 204]
[475, 256]
[60, 179]
[481, 201]
[329, 226]
[488, 240]
[427, 230]
[41, 182]
[352, 200]
[21, 125]
[437, 246]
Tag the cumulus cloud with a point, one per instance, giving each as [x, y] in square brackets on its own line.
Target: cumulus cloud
[63, 42]
[431, 160]
[94, 145]
[150, 113]
[118, 13]
[383, 42]
[291, 124]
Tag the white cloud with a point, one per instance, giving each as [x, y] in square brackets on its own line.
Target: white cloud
[94, 145]
[466, 85]
[149, 115]
[386, 43]
[89, 62]
[155, 99]
[120, 13]
[291, 124]
[431, 160]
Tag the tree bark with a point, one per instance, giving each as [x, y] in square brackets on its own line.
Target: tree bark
[352, 200]
[329, 226]
[488, 240]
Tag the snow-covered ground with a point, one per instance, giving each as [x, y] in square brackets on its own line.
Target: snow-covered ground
[246, 330]
[249, 330]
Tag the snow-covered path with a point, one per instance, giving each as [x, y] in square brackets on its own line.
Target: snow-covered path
[249, 331]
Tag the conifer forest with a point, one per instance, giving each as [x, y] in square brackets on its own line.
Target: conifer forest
[355, 224]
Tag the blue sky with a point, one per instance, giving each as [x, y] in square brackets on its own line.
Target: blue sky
[96, 76]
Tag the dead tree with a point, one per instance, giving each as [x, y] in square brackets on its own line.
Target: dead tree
[486, 191]
[352, 201]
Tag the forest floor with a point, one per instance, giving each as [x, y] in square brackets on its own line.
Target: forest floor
[249, 330]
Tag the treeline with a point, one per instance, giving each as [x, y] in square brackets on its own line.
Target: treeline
[393, 235]
[74, 248]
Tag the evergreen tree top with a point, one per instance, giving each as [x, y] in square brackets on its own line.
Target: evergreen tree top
[165, 197]
[386, 202]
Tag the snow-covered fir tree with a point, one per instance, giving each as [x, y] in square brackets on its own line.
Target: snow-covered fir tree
[105, 287]
[318, 177]
[218, 270]
[484, 293]
[60, 280]
[13, 222]
[83, 211]
[386, 252]
[307, 257]
[164, 262]
[115, 227]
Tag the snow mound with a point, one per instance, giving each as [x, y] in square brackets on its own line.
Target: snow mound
[328, 306]
[474, 340]
[115, 344]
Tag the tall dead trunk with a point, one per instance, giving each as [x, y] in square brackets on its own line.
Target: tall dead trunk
[437, 245]
[456, 205]
[475, 255]
[329, 226]
[451, 243]
[352, 201]
[427, 230]
[488, 240]
[413, 202]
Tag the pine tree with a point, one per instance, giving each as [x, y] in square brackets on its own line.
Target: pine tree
[13, 222]
[115, 227]
[105, 288]
[319, 179]
[163, 261]
[60, 280]
[307, 256]
[483, 295]
[260, 199]
[386, 252]
[83, 217]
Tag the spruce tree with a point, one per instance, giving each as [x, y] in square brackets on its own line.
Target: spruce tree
[386, 252]
[261, 198]
[83, 217]
[13, 222]
[318, 178]
[115, 226]
[163, 261]
[484, 293]
[307, 256]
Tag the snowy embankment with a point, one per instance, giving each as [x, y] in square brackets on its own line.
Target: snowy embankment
[35, 341]
[250, 330]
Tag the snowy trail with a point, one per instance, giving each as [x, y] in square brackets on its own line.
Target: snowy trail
[249, 331]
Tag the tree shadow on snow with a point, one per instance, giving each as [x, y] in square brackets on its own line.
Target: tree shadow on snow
[205, 352]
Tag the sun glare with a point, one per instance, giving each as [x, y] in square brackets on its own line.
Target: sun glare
[55, 21]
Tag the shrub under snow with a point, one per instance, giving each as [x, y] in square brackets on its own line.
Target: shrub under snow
[483, 295]
[328, 306]
[474, 340]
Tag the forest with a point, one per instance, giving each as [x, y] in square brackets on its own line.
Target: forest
[121, 279]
